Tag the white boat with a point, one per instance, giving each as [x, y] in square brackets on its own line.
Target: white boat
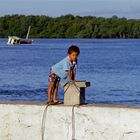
[12, 40]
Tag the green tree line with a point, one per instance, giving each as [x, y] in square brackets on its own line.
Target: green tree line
[69, 26]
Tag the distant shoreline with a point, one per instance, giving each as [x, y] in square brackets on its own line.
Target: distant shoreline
[69, 26]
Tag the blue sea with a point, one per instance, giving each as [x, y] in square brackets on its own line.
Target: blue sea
[111, 65]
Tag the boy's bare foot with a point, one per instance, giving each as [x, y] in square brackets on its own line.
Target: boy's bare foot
[54, 101]
[49, 102]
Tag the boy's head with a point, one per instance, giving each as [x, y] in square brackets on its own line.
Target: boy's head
[73, 52]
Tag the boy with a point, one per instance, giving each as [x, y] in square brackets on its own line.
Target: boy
[65, 68]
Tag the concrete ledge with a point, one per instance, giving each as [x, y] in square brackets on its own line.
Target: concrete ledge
[61, 105]
[23, 121]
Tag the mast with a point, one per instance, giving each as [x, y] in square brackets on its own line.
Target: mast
[28, 32]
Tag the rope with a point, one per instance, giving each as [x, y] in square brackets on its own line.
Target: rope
[76, 86]
[43, 122]
[70, 83]
[67, 87]
[73, 117]
[73, 122]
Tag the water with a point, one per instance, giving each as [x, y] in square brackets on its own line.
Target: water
[112, 67]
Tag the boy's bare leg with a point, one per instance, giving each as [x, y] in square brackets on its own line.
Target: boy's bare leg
[51, 86]
[55, 92]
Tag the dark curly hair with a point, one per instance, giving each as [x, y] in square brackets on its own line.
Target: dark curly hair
[74, 48]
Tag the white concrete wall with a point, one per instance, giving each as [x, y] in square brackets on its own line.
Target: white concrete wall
[24, 122]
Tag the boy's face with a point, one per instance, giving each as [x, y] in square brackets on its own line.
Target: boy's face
[73, 56]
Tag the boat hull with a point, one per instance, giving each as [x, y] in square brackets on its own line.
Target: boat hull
[25, 42]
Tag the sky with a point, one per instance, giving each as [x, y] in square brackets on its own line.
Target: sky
[55, 8]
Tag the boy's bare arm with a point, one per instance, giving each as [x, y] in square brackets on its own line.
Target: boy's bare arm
[70, 75]
[74, 71]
